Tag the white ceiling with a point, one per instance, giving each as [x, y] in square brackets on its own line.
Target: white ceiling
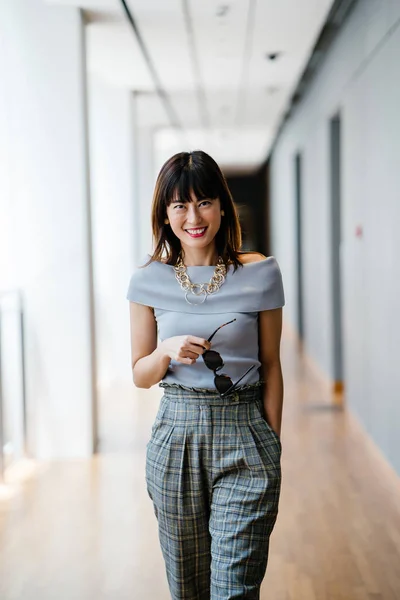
[243, 96]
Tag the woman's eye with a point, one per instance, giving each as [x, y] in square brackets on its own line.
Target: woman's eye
[179, 206]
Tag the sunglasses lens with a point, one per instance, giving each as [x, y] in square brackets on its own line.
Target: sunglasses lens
[222, 383]
[213, 360]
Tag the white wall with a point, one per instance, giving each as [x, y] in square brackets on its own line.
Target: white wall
[112, 164]
[44, 178]
[360, 77]
[148, 165]
[146, 183]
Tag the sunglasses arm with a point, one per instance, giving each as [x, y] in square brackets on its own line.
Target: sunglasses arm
[218, 328]
[238, 381]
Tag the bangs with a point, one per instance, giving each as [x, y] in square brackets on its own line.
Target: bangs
[197, 180]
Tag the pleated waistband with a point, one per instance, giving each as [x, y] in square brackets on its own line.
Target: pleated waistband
[179, 393]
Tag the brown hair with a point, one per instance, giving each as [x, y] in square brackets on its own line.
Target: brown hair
[183, 173]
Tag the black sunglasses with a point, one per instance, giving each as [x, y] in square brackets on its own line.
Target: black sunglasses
[213, 361]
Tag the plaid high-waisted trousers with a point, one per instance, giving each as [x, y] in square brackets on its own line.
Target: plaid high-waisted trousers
[213, 474]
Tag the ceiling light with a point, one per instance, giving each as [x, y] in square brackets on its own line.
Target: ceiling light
[272, 89]
[222, 10]
[273, 55]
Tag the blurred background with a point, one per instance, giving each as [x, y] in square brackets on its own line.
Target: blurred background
[299, 103]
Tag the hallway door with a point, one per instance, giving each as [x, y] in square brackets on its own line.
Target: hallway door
[298, 235]
[336, 237]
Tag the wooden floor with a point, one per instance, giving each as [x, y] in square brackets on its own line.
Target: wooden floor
[85, 529]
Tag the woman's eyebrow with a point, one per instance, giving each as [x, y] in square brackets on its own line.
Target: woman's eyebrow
[184, 200]
[178, 201]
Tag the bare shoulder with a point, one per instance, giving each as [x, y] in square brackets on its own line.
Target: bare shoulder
[250, 257]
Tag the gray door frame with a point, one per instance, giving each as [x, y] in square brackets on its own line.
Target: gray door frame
[335, 130]
[298, 171]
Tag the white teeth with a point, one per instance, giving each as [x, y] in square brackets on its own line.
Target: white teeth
[195, 231]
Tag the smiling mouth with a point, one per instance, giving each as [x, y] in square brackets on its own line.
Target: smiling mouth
[196, 232]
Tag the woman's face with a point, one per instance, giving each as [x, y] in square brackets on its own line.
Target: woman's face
[195, 223]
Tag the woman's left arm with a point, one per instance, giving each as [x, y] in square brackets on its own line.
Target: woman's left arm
[270, 330]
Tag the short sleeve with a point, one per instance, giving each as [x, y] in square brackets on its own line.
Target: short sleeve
[140, 288]
[254, 287]
[272, 292]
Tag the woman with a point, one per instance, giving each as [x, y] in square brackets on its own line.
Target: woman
[213, 460]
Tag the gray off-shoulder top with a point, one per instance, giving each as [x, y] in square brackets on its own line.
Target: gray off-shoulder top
[255, 287]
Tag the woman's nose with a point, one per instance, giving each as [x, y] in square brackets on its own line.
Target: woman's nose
[193, 216]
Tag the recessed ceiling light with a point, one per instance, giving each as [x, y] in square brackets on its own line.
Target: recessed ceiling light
[273, 55]
[272, 89]
[222, 10]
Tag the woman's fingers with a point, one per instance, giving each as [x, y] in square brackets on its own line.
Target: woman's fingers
[188, 348]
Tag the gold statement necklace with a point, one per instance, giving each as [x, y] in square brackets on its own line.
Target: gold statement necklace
[199, 291]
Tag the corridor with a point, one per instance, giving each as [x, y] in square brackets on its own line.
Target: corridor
[191, 131]
[85, 529]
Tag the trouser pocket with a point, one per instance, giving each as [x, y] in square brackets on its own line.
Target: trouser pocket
[258, 413]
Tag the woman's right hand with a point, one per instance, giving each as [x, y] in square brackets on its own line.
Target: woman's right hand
[185, 349]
